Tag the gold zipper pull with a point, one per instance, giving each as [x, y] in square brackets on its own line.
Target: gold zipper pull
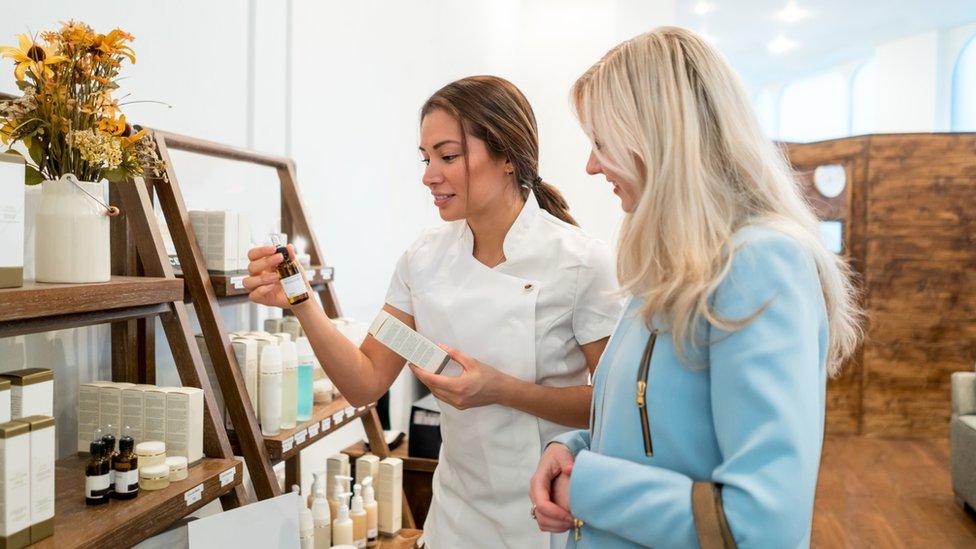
[577, 529]
[641, 389]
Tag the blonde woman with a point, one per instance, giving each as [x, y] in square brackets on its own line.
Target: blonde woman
[708, 403]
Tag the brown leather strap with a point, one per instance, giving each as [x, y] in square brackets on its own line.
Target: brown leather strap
[710, 524]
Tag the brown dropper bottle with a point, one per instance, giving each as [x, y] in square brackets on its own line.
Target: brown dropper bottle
[291, 275]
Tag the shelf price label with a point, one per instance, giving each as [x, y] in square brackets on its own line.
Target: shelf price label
[313, 430]
[227, 476]
[237, 282]
[300, 436]
[193, 495]
[338, 417]
[326, 424]
[287, 444]
[350, 412]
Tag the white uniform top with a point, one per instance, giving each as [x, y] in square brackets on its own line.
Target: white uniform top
[527, 317]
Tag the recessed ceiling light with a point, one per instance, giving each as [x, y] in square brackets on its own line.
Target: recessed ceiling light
[792, 12]
[780, 45]
[701, 8]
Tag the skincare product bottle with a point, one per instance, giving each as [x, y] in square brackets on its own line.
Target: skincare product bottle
[318, 482]
[341, 486]
[270, 388]
[291, 276]
[306, 376]
[110, 452]
[358, 516]
[96, 475]
[342, 525]
[125, 465]
[306, 527]
[372, 513]
[321, 517]
[289, 385]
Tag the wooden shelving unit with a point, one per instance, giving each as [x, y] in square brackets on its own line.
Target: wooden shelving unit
[121, 523]
[207, 291]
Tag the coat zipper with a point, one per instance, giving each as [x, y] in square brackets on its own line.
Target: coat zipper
[642, 374]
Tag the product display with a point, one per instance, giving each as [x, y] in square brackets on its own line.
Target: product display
[154, 413]
[289, 385]
[88, 413]
[336, 465]
[110, 406]
[133, 410]
[306, 525]
[153, 477]
[389, 495]
[12, 170]
[97, 475]
[31, 392]
[184, 423]
[108, 439]
[372, 513]
[178, 468]
[151, 452]
[291, 275]
[367, 465]
[407, 343]
[125, 466]
[321, 518]
[224, 238]
[270, 390]
[358, 515]
[342, 525]
[42, 451]
[306, 376]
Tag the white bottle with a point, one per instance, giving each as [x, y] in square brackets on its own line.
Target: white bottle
[342, 525]
[358, 516]
[372, 512]
[289, 385]
[306, 528]
[270, 400]
[321, 515]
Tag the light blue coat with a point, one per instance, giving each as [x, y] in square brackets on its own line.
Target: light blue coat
[751, 420]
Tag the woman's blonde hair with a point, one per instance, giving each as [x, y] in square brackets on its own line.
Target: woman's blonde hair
[666, 111]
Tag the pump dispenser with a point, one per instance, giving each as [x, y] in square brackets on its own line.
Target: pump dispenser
[305, 523]
[321, 517]
[341, 487]
[358, 516]
[372, 513]
[342, 525]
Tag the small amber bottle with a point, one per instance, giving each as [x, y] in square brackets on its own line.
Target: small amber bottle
[96, 475]
[110, 453]
[291, 275]
[125, 465]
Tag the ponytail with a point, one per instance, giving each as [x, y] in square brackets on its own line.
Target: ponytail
[552, 201]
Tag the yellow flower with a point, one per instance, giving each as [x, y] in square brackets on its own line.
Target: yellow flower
[33, 57]
[113, 43]
[112, 126]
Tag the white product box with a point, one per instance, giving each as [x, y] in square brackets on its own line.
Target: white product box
[407, 343]
[110, 407]
[272, 325]
[42, 452]
[246, 352]
[154, 414]
[88, 412]
[291, 326]
[389, 495]
[367, 465]
[14, 484]
[222, 249]
[11, 221]
[31, 392]
[184, 423]
[133, 411]
[4, 400]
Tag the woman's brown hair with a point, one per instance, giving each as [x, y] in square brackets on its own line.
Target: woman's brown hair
[493, 110]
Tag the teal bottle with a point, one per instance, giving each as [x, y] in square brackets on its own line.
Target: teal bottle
[306, 376]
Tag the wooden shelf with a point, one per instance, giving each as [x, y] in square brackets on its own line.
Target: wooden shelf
[326, 418]
[125, 523]
[38, 307]
[227, 286]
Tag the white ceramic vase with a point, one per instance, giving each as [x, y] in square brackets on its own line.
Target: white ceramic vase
[71, 238]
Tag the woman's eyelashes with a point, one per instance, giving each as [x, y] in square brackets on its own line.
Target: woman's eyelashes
[447, 159]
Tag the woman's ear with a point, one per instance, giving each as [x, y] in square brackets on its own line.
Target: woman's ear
[509, 168]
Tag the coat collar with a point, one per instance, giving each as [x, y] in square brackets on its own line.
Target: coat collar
[518, 236]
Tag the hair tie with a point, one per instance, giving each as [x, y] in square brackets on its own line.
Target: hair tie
[536, 181]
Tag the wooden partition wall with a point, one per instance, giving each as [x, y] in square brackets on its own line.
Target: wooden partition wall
[909, 215]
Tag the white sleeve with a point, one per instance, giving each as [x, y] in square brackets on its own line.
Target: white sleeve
[598, 304]
[399, 293]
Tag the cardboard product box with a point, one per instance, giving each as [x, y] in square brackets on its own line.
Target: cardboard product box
[389, 496]
[424, 436]
[184, 423]
[222, 249]
[110, 407]
[12, 171]
[246, 352]
[42, 451]
[14, 484]
[154, 414]
[134, 411]
[31, 392]
[88, 412]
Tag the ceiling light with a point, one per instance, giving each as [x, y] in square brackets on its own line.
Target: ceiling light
[701, 8]
[791, 13]
[780, 45]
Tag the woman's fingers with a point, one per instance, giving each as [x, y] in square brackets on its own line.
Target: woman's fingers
[265, 263]
[258, 294]
[553, 511]
[258, 280]
[260, 252]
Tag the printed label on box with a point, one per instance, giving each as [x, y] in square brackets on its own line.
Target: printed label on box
[227, 476]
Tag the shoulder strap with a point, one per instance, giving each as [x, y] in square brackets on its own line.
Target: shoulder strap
[710, 524]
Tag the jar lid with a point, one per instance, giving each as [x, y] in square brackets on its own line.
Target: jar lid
[175, 463]
[151, 448]
[154, 471]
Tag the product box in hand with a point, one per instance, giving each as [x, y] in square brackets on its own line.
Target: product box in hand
[31, 392]
[424, 438]
[12, 170]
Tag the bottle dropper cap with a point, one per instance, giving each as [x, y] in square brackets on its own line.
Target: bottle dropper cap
[279, 247]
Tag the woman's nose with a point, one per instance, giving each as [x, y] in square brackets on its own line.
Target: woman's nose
[593, 166]
[432, 176]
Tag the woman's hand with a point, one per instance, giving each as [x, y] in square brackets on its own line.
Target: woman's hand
[263, 280]
[549, 489]
[478, 385]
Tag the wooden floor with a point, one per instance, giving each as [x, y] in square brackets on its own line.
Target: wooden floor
[888, 493]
